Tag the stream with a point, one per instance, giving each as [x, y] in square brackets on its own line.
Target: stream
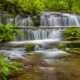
[46, 62]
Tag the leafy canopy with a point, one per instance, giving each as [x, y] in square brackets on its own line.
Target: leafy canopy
[22, 7]
[33, 7]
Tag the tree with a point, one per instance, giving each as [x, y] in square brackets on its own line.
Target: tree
[22, 7]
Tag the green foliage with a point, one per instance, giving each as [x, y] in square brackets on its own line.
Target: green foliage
[31, 7]
[62, 47]
[7, 65]
[27, 22]
[73, 5]
[7, 33]
[72, 33]
[36, 20]
[56, 4]
[30, 47]
[76, 49]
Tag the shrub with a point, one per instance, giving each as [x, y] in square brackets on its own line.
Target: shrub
[7, 65]
[36, 20]
[7, 33]
[72, 33]
[30, 47]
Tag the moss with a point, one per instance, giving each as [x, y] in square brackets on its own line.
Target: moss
[30, 47]
[33, 28]
[72, 33]
[61, 10]
[20, 17]
[75, 51]
[74, 44]
[27, 23]
[62, 47]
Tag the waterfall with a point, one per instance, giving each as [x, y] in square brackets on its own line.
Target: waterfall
[48, 19]
[39, 34]
[24, 21]
[56, 19]
[5, 18]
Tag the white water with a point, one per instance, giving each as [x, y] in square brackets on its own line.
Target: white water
[51, 53]
[24, 21]
[14, 54]
[56, 19]
[54, 37]
[45, 41]
[43, 37]
[48, 19]
[40, 34]
[5, 18]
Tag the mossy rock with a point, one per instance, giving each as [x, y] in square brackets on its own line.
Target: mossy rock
[30, 47]
[74, 44]
[33, 28]
[74, 47]
[62, 47]
[72, 33]
[75, 51]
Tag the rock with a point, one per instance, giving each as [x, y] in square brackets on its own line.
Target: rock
[3, 54]
[20, 45]
[30, 47]
[24, 61]
[74, 44]
[62, 47]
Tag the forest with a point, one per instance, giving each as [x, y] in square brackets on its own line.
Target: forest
[34, 7]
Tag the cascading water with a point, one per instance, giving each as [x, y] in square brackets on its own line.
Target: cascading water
[48, 19]
[24, 21]
[46, 41]
[43, 37]
[56, 19]
[5, 18]
[40, 34]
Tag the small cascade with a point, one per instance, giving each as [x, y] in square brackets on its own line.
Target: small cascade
[38, 48]
[48, 19]
[5, 18]
[24, 21]
[39, 34]
[56, 19]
